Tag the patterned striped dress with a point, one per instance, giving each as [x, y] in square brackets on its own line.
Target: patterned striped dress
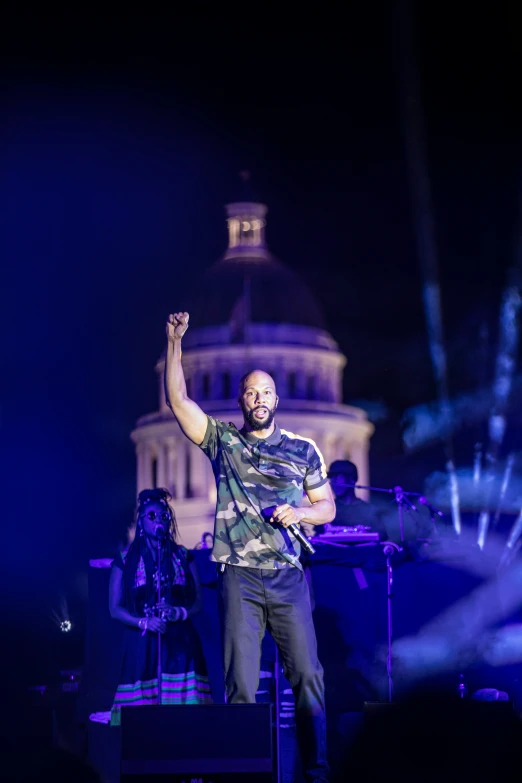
[184, 674]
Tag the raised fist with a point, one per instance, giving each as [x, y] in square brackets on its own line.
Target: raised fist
[177, 325]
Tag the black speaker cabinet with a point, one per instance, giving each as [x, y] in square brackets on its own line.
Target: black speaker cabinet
[198, 743]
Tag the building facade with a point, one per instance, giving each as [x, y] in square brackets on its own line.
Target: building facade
[249, 311]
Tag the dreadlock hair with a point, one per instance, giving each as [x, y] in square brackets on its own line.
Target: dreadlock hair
[139, 546]
[162, 496]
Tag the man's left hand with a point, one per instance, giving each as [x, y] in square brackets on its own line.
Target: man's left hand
[287, 515]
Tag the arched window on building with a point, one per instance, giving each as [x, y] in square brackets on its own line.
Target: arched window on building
[292, 385]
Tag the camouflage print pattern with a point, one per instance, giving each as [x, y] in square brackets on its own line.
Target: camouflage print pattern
[253, 476]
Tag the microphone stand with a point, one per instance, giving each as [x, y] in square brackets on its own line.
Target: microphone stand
[159, 672]
[389, 549]
[402, 499]
[277, 675]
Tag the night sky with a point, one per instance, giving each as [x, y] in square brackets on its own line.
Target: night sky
[121, 141]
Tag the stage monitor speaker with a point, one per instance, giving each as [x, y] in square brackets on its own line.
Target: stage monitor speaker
[202, 743]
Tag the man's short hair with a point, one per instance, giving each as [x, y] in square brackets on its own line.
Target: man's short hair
[247, 375]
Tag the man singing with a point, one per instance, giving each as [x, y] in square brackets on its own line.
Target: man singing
[261, 472]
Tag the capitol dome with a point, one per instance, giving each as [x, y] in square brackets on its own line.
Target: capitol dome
[249, 311]
[249, 283]
[277, 295]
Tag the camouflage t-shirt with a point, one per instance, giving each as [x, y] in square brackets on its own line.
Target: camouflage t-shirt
[253, 476]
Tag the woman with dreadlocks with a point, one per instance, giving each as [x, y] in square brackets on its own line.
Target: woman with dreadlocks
[133, 594]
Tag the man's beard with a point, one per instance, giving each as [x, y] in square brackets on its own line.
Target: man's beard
[256, 424]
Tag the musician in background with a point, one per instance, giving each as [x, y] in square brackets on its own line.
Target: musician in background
[351, 511]
[343, 476]
[133, 591]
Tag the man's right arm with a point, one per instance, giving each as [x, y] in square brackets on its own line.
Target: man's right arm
[191, 419]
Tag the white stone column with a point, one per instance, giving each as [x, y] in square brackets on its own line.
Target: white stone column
[181, 475]
[171, 466]
[146, 467]
[324, 384]
[161, 465]
[311, 384]
[233, 232]
[340, 448]
[318, 384]
[329, 448]
[140, 462]
[198, 482]
[332, 388]
[338, 385]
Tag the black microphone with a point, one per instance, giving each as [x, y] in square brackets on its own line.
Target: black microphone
[301, 538]
[268, 512]
[159, 531]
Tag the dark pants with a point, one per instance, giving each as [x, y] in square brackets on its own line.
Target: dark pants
[251, 600]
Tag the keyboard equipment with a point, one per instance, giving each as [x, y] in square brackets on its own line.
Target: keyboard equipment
[347, 535]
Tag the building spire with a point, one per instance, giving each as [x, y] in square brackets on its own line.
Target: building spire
[246, 224]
